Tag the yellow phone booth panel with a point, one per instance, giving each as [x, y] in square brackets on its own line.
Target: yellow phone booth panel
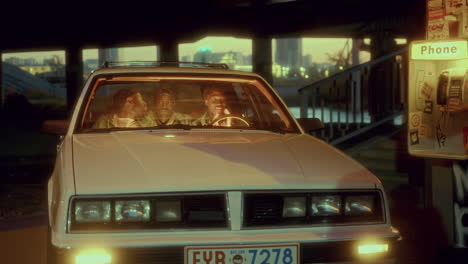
[438, 99]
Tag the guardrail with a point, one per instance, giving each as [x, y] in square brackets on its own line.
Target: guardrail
[357, 99]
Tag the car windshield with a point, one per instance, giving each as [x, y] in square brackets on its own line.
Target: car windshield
[151, 102]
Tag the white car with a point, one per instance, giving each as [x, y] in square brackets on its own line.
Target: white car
[199, 164]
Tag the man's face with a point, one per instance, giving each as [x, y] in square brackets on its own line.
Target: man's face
[165, 104]
[139, 107]
[216, 103]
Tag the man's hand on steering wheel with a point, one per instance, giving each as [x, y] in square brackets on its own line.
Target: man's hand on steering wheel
[228, 120]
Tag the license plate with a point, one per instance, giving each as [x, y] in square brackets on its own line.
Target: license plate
[243, 254]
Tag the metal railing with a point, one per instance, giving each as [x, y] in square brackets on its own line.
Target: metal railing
[357, 99]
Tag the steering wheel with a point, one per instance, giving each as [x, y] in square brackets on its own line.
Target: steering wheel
[230, 117]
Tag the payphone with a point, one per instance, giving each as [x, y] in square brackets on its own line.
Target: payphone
[438, 99]
[452, 89]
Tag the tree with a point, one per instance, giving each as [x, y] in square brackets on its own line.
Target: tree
[341, 59]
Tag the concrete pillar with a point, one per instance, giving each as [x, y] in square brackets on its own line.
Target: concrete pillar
[74, 74]
[168, 50]
[380, 79]
[261, 58]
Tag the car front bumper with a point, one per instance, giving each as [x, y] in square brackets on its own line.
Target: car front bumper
[325, 245]
[324, 252]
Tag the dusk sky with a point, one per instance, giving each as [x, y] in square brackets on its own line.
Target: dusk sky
[317, 47]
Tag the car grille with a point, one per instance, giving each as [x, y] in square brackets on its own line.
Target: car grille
[263, 209]
[266, 210]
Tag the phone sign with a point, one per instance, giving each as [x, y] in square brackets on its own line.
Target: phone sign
[439, 50]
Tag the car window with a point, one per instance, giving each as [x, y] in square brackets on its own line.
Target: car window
[160, 103]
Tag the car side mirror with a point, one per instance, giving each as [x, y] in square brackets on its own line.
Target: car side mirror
[310, 124]
[55, 127]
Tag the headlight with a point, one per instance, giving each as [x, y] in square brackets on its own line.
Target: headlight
[132, 211]
[294, 207]
[92, 212]
[168, 211]
[326, 205]
[359, 205]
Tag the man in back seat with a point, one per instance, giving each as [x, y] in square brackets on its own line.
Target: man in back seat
[128, 110]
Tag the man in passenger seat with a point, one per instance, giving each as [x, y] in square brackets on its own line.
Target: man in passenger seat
[164, 113]
[128, 110]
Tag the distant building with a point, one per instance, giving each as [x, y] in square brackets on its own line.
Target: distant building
[11, 60]
[289, 55]
[248, 59]
[55, 60]
[111, 54]
[15, 61]
[307, 61]
[242, 59]
[228, 58]
[203, 56]
[31, 62]
[233, 59]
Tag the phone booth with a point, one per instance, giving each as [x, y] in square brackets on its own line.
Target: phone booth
[438, 128]
[438, 99]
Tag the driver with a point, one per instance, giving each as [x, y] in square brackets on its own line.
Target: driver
[128, 110]
[215, 102]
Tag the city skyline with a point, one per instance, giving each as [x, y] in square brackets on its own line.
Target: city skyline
[316, 47]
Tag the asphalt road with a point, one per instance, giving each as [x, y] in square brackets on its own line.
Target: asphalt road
[24, 245]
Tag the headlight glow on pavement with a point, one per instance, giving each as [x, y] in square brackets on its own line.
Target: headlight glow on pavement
[93, 256]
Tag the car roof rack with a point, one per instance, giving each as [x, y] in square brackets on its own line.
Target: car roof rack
[110, 64]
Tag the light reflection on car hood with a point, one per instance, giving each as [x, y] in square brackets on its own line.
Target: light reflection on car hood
[167, 161]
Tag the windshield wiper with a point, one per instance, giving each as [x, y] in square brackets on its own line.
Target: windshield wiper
[113, 129]
[180, 126]
[277, 130]
[108, 130]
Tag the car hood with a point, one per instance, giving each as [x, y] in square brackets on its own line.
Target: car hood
[168, 161]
